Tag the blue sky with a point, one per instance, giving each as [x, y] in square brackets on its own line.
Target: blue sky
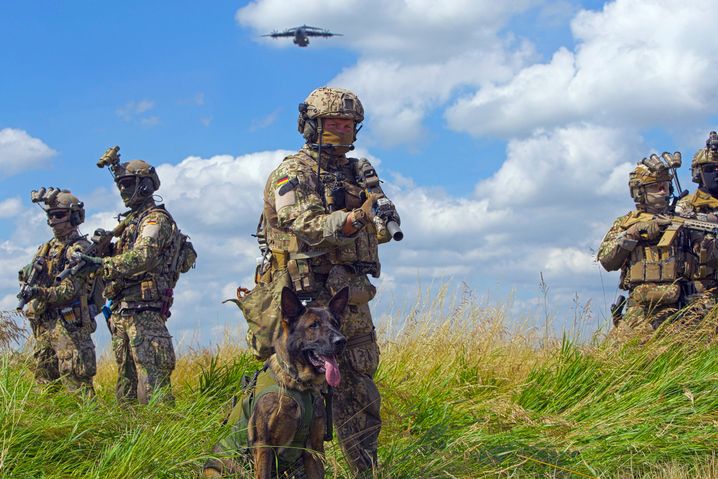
[504, 131]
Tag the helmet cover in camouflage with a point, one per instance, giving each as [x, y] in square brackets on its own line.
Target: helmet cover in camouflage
[139, 169]
[647, 173]
[56, 200]
[704, 156]
[327, 102]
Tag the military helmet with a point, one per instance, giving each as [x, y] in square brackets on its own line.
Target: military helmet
[325, 102]
[705, 156]
[647, 172]
[138, 169]
[57, 200]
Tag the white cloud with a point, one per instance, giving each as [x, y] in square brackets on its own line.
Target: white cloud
[10, 207]
[20, 152]
[413, 56]
[636, 63]
[138, 111]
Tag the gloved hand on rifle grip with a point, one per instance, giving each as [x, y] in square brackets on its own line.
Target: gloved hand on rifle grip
[91, 262]
[647, 230]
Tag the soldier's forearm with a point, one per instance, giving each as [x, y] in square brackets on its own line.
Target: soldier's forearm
[129, 263]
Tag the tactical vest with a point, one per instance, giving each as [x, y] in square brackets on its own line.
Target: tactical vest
[665, 260]
[238, 439]
[151, 289]
[85, 306]
[308, 267]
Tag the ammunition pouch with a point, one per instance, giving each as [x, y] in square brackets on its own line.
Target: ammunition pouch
[651, 295]
[652, 264]
[361, 291]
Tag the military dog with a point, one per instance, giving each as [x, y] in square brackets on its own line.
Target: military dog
[280, 424]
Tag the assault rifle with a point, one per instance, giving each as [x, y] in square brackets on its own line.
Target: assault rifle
[678, 222]
[101, 240]
[25, 294]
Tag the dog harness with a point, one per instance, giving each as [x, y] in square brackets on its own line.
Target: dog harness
[265, 382]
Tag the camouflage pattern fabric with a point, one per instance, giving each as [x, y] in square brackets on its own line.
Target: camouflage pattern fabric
[61, 327]
[140, 247]
[301, 223]
[696, 204]
[138, 282]
[64, 355]
[144, 354]
[356, 400]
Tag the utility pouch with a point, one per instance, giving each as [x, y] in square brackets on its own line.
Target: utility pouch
[301, 276]
[148, 291]
[656, 294]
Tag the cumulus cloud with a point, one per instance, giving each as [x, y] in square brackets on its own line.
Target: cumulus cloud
[20, 152]
[643, 64]
[10, 207]
[412, 57]
[545, 210]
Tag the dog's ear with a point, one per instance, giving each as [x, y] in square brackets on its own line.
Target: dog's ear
[339, 302]
[292, 308]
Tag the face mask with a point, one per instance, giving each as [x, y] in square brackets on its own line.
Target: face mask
[657, 201]
[341, 142]
[128, 189]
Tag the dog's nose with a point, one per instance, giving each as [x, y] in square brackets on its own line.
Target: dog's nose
[340, 342]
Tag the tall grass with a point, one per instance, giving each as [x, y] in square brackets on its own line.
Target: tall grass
[466, 393]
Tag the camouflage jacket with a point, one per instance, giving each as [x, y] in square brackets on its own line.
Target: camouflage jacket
[71, 291]
[690, 256]
[699, 205]
[138, 269]
[304, 213]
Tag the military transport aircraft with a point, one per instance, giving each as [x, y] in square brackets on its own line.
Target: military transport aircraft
[301, 34]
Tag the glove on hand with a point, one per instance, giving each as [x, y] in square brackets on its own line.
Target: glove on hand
[647, 230]
[92, 263]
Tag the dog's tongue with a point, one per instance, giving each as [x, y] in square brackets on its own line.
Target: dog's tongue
[331, 369]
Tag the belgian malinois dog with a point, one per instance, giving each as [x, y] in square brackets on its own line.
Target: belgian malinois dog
[305, 358]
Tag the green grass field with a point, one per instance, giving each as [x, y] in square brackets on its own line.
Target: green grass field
[464, 396]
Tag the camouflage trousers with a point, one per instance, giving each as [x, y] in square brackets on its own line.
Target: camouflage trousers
[356, 399]
[144, 355]
[68, 356]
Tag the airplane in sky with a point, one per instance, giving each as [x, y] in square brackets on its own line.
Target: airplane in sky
[301, 34]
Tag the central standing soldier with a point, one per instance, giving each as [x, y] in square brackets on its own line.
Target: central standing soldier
[325, 215]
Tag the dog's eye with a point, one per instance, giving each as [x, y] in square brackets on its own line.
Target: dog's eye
[314, 325]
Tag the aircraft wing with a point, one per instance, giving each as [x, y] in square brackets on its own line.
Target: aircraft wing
[322, 33]
[285, 33]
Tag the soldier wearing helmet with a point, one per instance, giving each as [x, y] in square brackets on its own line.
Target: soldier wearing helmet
[141, 271]
[656, 291]
[62, 314]
[703, 205]
[322, 235]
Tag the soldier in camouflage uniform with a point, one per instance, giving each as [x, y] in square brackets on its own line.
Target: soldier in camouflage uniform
[62, 314]
[658, 261]
[141, 272]
[321, 230]
[703, 205]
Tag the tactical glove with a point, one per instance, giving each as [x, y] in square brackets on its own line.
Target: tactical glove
[92, 263]
[365, 214]
[647, 230]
